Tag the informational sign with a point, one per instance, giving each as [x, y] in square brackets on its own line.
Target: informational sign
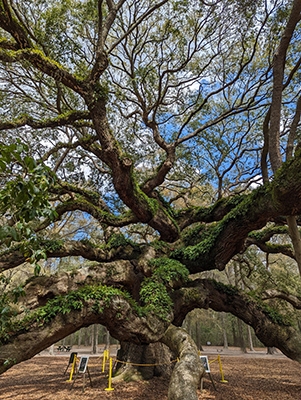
[205, 362]
[71, 358]
[72, 361]
[83, 364]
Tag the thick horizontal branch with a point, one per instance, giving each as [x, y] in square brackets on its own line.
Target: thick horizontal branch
[218, 243]
[59, 305]
[270, 327]
[58, 249]
[102, 216]
[116, 314]
[43, 64]
[62, 120]
[295, 301]
[214, 213]
[272, 248]
[117, 274]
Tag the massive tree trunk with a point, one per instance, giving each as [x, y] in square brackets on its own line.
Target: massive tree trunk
[144, 361]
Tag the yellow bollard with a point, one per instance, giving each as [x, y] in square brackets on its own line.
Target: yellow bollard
[104, 360]
[109, 388]
[221, 369]
[72, 368]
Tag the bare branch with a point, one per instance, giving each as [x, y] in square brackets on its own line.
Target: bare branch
[14, 257]
[278, 76]
[137, 23]
[277, 294]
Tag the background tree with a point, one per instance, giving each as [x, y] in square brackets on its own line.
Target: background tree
[158, 130]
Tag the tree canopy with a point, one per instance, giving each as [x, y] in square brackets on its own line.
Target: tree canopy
[156, 143]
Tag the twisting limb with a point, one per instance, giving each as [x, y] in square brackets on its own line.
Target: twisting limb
[186, 375]
[61, 120]
[15, 257]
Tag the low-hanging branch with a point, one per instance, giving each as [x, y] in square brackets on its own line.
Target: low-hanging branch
[66, 119]
[14, 256]
[57, 311]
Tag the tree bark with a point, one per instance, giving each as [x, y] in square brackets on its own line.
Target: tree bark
[136, 362]
[187, 373]
[296, 239]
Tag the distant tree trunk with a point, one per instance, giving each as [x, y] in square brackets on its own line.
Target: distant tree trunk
[271, 350]
[240, 335]
[250, 338]
[225, 337]
[86, 337]
[193, 326]
[71, 339]
[234, 332]
[51, 350]
[242, 343]
[95, 339]
[107, 338]
[79, 338]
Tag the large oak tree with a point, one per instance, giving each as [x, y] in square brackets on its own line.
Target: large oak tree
[153, 141]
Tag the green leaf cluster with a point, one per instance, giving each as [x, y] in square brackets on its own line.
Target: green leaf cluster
[155, 299]
[25, 195]
[118, 239]
[5, 317]
[99, 296]
[154, 290]
[24, 199]
[227, 289]
[76, 300]
[168, 271]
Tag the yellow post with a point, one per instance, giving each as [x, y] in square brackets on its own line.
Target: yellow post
[109, 388]
[221, 369]
[72, 368]
[104, 360]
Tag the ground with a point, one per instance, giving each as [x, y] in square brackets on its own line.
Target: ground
[250, 376]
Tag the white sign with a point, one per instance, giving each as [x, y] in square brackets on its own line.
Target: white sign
[83, 364]
[205, 363]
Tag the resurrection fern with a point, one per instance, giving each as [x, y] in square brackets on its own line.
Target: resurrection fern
[167, 271]
[155, 298]
[154, 290]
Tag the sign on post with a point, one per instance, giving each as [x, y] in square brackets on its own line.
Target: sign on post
[71, 358]
[205, 363]
[83, 364]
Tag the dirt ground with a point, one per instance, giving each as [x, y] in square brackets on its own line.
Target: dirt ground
[250, 376]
